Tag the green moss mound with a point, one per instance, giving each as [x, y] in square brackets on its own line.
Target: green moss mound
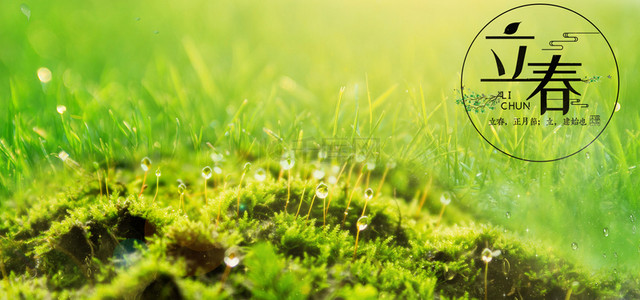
[81, 243]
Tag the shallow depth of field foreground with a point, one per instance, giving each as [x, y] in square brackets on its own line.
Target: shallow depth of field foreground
[288, 150]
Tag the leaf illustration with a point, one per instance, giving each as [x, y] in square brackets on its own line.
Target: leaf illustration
[511, 28]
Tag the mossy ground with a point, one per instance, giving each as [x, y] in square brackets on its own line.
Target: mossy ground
[74, 241]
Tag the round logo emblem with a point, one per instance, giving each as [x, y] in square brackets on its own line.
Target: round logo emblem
[540, 82]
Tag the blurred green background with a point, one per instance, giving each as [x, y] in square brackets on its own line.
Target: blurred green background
[161, 78]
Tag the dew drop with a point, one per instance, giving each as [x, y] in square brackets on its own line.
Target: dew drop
[391, 164]
[632, 218]
[25, 10]
[145, 164]
[288, 160]
[217, 170]
[605, 231]
[332, 179]
[574, 246]
[260, 175]
[216, 156]
[318, 174]
[44, 75]
[322, 190]
[61, 109]
[587, 155]
[368, 194]
[231, 258]
[246, 167]
[335, 169]
[508, 215]
[182, 188]
[487, 255]
[360, 156]
[617, 107]
[158, 173]
[322, 154]
[371, 165]
[206, 172]
[445, 198]
[362, 223]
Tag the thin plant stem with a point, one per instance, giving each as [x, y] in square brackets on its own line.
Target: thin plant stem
[288, 191]
[486, 269]
[355, 186]
[424, 196]
[384, 176]
[355, 250]
[157, 186]
[440, 216]
[337, 180]
[99, 182]
[224, 186]
[310, 206]
[301, 198]
[238, 200]
[205, 192]
[143, 183]
[227, 270]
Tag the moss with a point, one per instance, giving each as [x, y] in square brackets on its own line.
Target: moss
[128, 247]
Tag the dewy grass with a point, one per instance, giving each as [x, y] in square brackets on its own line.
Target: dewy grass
[193, 90]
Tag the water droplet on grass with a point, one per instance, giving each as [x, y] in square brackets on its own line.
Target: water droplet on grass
[25, 11]
[231, 258]
[61, 109]
[371, 165]
[44, 75]
[260, 174]
[145, 164]
[207, 172]
[508, 215]
[322, 154]
[362, 223]
[632, 218]
[605, 231]
[216, 156]
[445, 198]
[360, 157]
[487, 255]
[617, 107]
[246, 167]
[318, 174]
[574, 246]
[158, 173]
[217, 170]
[368, 194]
[182, 188]
[322, 190]
[587, 155]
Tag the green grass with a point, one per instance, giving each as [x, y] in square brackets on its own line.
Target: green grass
[163, 79]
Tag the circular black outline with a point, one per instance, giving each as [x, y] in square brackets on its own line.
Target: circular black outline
[462, 87]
